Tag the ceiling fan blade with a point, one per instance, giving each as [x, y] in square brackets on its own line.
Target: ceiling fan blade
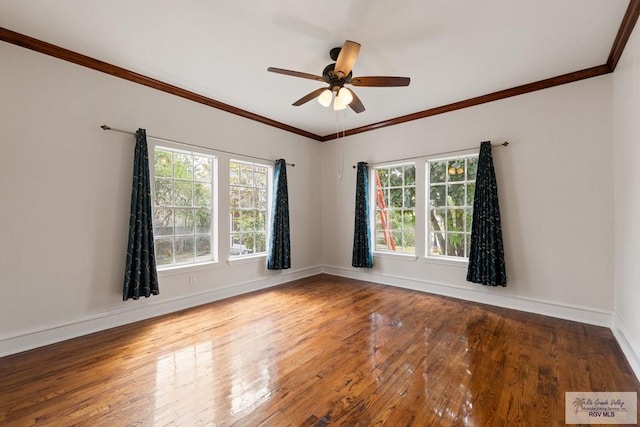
[347, 58]
[381, 81]
[295, 74]
[308, 97]
[356, 105]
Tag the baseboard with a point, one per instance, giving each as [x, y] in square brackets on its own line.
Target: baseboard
[629, 346]
[146, 309]
[483, 295]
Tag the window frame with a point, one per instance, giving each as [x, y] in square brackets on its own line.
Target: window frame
[467, 208]
[247, 257]
[214, 205]
[373, 189]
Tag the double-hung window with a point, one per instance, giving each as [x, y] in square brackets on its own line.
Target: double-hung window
[395, 212]
[249, 185]
[183, 214]
[450, 191]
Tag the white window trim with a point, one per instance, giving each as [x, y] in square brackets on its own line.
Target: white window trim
[250, 258]
[428, 257]
[169, 270]
[373, 204]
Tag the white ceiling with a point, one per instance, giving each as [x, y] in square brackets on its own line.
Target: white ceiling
[452, 50]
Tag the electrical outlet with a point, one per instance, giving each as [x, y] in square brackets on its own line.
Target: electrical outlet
[192, 279]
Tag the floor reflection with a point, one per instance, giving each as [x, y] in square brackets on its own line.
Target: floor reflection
[185, 372]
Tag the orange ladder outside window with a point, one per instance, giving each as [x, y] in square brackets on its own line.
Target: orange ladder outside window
[384, 215]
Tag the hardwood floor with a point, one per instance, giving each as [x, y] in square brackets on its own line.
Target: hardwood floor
[323, 351]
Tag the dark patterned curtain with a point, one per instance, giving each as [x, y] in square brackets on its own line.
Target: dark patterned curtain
[140, 276]
[279, 243]
[486, 259]
[362, 250]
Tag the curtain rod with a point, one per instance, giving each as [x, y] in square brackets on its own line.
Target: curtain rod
[504, 144]
[105, 127]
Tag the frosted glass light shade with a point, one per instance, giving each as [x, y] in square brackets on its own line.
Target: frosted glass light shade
[325, 98]
[345, 96]
[338, 104]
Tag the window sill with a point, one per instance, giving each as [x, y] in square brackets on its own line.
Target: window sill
[460, 263]
[389, 255]
[180, 269]
[247, 259]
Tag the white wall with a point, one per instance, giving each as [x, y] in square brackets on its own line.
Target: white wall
[65, 192]
[555, 187]
[626, 149]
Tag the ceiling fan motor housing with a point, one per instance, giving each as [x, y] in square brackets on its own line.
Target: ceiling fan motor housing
[330, 77]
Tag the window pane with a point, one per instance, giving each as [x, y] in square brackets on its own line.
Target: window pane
[437, 195]
[455, 220]
[395, 176]
[202, 194]
[437, 172]
[163, 192]
[261, 243]
[455, 170]
[203, 248]
[163, 166]
[396, 197]
[409, 197]
[202, 168]
[409, 219]
[183, 193]
[261, 199]
[184, 248]
[164, 251]
[455, 244]
[471, 188]
[246, 197]
[234, 173]
[436, 243]
[260, 221]
[456, 195]
[234, 201]
[183, 221]
[410, 175]
[469, 219]
[409, 242]
[203, 221]
[182, 166]
[437, 218]
[162, 222]
[383, 174]
[248, 240]
[261, 177]
[246, 174]
[472, 168]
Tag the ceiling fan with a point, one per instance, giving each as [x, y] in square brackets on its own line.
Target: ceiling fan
[337, 75]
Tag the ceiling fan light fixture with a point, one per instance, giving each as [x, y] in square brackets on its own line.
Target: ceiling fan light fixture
[338, 104]
[345, 96]
[325, 98]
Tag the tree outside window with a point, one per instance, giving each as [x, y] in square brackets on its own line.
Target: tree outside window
[451, 187]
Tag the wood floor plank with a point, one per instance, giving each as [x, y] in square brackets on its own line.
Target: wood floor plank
[322, 351]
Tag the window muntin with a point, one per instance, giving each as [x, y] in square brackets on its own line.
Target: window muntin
[183, 207]
[248, 207]
[395, 214]
[450, 191]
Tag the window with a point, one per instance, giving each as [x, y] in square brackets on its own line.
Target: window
[183, 206]
[249, 195]
[451, 186]
[395, 214]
